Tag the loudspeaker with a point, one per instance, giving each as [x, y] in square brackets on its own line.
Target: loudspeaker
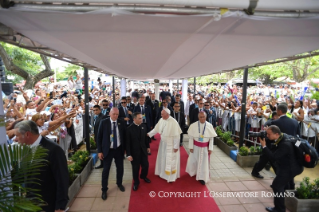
[7, 88]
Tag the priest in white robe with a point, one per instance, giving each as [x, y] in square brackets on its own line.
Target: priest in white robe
[168, 156]
[201, 141]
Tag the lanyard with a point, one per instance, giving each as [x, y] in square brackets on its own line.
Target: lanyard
[203, 130]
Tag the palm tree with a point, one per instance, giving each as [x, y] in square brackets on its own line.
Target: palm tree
[19, 167]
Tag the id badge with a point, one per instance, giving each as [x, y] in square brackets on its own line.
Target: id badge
[144, 116]
[111, 138]
[201, 139]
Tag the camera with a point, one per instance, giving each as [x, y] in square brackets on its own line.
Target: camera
[261, 134]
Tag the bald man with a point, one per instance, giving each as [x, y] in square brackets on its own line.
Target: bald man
[111, 144]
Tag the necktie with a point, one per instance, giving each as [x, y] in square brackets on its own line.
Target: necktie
[143, 114]
[94, 119]
[103, 111]
[125, 111]
[142, 109]
[114, 136]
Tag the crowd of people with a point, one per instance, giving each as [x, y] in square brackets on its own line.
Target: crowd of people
[57, 110]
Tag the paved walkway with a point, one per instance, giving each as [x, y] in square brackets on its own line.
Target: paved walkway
[226, 176]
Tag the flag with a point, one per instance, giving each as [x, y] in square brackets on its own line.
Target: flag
[237, 100]
[303, 93]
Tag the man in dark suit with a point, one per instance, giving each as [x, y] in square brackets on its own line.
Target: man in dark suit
[154, 104]
[180, 118]
[105, 108]
[54, 176]
[98, 116]
[195, 111]
[137, 149]
[192, 107]
[146, 112]
[124, 113]
[178, 99]
[287, 165]
[111, 144]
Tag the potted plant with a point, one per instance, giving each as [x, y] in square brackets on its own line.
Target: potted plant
[82, 164]
[226, 144]
[75, 182]
[93, 146]
[19, 167]
[306, 197]
[247, 157]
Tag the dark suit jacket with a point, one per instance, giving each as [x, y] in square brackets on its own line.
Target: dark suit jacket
[285, 158]
[122, 115]
[159, 116]
[148, 114]
[181, 119]
[181, 103]
[137, 140]
[191, 107]
[155, 108]
[107, 111]
[54, 177]
[287, 125]
[194, 115]
[97, 124]
[103, 138]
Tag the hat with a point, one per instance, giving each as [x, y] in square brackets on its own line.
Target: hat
[167, 111]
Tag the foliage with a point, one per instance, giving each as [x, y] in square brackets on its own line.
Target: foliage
[243, 151]
[219, 131]
[72, 175]
[230, 142]
[19, 167]
[69, 70]
[252, 150]
[315, 95]
[92, 143]
[23, 58]
[80, 159]
[308, 190]
[226, 136]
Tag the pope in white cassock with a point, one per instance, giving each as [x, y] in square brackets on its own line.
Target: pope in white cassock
[201, 141]
[168, 157]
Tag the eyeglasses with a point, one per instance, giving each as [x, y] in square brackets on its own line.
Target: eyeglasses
[123, 102]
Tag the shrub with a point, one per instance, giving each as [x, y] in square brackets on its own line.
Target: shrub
[243, 151]
[259, 150]
[230, 142]
[80, 159]
[219, 131]
[252, 150]
[226, 136]
[92, 143]
[308, 190]
[71, 173]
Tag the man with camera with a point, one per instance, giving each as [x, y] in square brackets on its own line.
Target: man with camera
[286, 125]
[287, 165]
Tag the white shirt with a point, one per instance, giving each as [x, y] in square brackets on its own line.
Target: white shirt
[37, 142]
[117, 133]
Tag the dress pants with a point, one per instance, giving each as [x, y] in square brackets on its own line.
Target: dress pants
[141, 161]
[263, 160]
[117, 154]
[181, 139]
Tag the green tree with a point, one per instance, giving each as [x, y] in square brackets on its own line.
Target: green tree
[25, 64]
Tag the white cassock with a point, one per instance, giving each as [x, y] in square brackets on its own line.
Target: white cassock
[167, 161]
[198, 161]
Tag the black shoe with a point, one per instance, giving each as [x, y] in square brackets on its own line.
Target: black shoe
[121, 187]
[149, 153]
[147, 180]
[257, 175]
[99, 167]
[181, 144]
[202, 182]
[135, 187]
[267, 167]
[271, 209]
[104, 195]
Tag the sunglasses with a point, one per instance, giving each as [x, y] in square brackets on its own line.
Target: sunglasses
[104, 105]
[206, 105]
[123, 102]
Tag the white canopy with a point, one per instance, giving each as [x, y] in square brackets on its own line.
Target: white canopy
[137, 46]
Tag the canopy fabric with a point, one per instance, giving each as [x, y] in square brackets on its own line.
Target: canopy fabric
[137, 46]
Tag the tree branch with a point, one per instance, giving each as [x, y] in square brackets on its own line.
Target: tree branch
[46, 72]
[10, 66]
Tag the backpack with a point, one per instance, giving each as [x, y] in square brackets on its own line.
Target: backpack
[306, 155]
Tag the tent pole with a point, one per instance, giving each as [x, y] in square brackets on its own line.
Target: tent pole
[243, 109]
[113, 90]
[194, 85]
[86, 116]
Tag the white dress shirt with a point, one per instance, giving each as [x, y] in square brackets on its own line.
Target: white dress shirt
[117, 133]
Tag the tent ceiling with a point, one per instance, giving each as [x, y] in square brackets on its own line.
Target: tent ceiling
[137, 46]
